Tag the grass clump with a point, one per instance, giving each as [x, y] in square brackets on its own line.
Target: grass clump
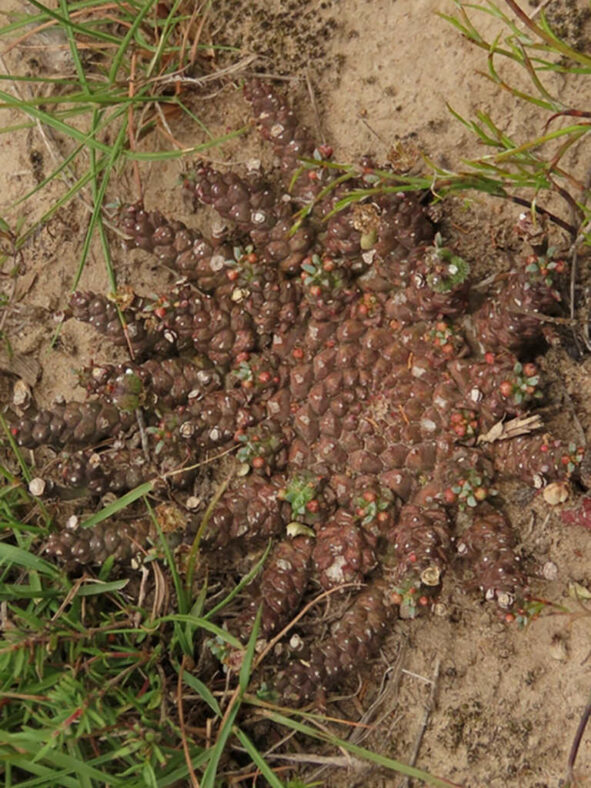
[103, 684]
[528, 171]
[129, 72]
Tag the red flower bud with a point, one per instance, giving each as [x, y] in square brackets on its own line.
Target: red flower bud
[449, 496]
[506, 388]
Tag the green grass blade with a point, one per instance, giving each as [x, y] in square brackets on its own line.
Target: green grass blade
[72, 44]
[258, 759]
[37, 79]
[539, 141]
[545, 32]
[15, 555]
[360, 752]
[65, 23]
[58, 170]
[11, 592]
[182, 772]
[125, 43]
[99, 196]
[246, 667]
[30, 742]
[51, 120]
[246, 580]
[182, 597]
[101, 98]
[15, 449]
[167, 30]
[45, 775]
[95, 589]
[216, 752]
[194, 551]
[71, 192]
[209, 776]
[117, 506]
[202, 690]
[201, 623]
[177, 154]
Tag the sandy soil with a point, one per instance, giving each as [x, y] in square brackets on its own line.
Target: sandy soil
[506, 703]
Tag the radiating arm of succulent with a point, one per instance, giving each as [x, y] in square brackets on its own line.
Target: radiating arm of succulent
[284, 580]
[510, 319]
[342, 553]
[76, 546]
[248, 513]
[96, 473]
[291, 140]
[497, 386]
[71, 424]
[421, 544]
[536, 459]
[496, 568]
[352, 640]
[438, 286]
[136, 332]
[174, 244]
[252, 205]
[165, 383]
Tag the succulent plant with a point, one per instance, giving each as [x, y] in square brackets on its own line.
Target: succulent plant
[281, 587]
[339, 364]
[76, 546]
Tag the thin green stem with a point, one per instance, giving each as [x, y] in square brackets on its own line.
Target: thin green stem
[192, 559]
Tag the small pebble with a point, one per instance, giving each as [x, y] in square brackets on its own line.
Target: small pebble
[550, 570]
[556, 493]
[21, 396]
[431, 576]
[37, 487]
[296, 643]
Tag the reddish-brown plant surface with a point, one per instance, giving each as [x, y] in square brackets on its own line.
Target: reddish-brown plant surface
[354, 374]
